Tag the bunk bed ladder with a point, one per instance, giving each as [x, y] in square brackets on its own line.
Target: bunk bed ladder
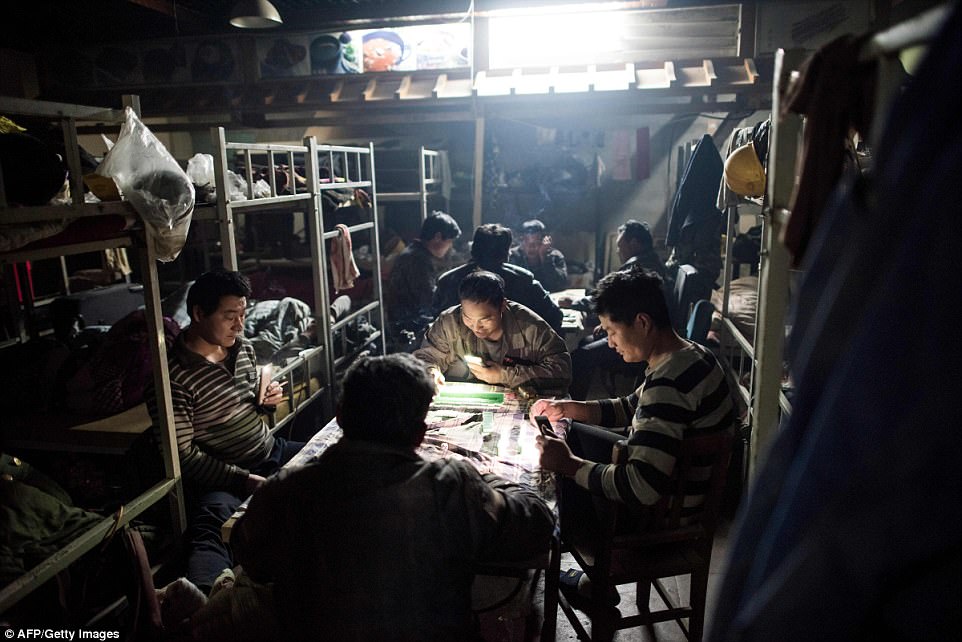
[773, 269]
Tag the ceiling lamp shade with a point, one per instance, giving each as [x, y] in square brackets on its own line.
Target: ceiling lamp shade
[255, 14]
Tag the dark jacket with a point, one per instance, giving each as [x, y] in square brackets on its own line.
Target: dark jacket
[694, 221]
[411, 285]
[519, 286]
[553, 272]
[648, 260]
[372, 542]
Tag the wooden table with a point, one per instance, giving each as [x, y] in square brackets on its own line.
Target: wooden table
[572, 321]
[456, 428]
[503, 443]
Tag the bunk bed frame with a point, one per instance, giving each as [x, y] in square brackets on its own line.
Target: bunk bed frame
[357, 167]
[297, 370]
[170, 487]
[763, 361]
[428, 179]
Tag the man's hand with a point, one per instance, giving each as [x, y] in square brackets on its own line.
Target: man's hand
[553, 410]
[253, 483]
[599, 332]
[488, 372]
[556, 456]
[438, 377]
[274, 394]
[544, 248]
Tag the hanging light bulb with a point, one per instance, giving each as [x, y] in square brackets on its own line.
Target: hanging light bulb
[255, 14]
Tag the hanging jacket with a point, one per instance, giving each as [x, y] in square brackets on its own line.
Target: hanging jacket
[854, 521]
[694, 222]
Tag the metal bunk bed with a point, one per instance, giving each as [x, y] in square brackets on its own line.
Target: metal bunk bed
[139, 236]
[428, 177]
[763, 361]
[356, 167]
[756, 365]
[299, 372]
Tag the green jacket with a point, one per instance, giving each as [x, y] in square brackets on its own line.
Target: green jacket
[530, 352]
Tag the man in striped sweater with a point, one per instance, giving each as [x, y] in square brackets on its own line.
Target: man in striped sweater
[684, 393]
[226, 449]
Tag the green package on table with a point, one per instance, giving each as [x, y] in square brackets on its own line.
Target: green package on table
[472, 397]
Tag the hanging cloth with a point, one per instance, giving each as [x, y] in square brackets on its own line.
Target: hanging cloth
[835, 92]
[343, 267]
[854, 517]
[694, 223]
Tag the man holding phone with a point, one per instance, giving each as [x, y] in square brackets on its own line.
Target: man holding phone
[226, 448]
[684, 393]
[494, 340]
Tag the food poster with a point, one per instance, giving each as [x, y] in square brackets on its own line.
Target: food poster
[444, 46]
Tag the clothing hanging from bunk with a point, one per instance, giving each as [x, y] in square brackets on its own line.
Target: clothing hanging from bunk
[694, 223]
[835, 91]
[343, 268]
[853, 529]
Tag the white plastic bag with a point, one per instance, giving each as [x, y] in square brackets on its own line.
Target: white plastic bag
[200, 169]
[236, 187]
[149, 177]
[261, 189]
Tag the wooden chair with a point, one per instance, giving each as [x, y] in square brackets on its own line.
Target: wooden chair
[550, 563]
[669, 545]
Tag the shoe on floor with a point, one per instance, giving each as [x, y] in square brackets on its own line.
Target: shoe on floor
[225, 580]
[178, 601]
[576, 586]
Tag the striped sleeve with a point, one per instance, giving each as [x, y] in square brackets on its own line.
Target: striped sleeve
[696, 400]
[219, 431]
[198, 466]
[616, 413]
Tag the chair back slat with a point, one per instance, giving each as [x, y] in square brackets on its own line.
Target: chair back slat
[696, 451]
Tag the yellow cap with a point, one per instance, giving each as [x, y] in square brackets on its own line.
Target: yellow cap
[744, 174]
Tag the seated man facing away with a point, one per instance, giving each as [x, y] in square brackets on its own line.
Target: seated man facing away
[226, 449]
[536, 254]
[636, 252]
[489, 251]
[684, 393]
[371, 542]
[414, 276]
[514, 345]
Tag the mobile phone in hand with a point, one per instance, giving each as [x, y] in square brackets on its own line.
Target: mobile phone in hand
[545, 426]
[471, 359]
[267, 372]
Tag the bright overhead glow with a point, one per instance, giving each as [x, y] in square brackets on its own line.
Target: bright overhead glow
[557, 39]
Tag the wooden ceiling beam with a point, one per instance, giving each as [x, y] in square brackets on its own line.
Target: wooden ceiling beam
[171, 9]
